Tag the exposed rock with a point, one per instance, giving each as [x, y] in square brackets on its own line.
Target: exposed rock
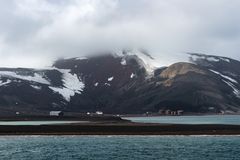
[121, 83]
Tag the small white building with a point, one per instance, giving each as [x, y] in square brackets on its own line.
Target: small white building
[56, 113]
[99, 113]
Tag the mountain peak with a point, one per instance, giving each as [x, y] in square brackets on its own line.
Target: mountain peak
[127, 81]
[144, 59]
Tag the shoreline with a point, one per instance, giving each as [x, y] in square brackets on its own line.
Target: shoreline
[200, 115]
[105, 117]
[120, 129]
[109, 125]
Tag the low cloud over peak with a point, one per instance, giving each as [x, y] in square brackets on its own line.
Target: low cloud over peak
[35, 32]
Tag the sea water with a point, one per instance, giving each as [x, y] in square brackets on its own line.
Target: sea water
[207, 119]
[120, 147]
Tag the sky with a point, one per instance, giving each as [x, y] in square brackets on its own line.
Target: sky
[34, 33]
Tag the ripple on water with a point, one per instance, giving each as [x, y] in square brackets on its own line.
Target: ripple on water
[120, 147]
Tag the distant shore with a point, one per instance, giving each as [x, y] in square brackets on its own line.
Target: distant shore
[105, 117]
[94, 118]
[109, 125]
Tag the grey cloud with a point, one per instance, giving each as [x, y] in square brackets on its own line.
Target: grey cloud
[35, 32]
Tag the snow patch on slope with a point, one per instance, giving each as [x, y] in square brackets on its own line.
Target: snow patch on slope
[230, 82]
[225, 59]
[235, 90]
[210, 58]
[72, 85]
[224, 76]
[123, 62]
[36, 87]
[81, 58]
[145, 60]
[107, 84]
[110, 79]
[35, 78]
[5, 83]
[65, 92]
[71, 81]
[132, 75]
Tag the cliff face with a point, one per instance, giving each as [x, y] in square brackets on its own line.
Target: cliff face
[123, 83]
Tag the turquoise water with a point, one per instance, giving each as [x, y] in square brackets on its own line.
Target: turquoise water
[19, 123]
[120, 148]
[210, 119]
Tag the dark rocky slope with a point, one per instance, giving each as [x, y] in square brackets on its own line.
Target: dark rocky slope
[123, 83]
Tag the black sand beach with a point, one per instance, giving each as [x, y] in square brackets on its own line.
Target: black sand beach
[120, 129]
[110, 125]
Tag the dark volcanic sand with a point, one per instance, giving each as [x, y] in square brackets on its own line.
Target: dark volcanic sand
[110, 125]
[120, 129]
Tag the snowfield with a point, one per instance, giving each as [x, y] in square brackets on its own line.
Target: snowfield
[35, 78]
[146, 61]
[71, 85]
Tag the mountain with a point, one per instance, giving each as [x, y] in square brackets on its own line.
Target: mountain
[125, 82]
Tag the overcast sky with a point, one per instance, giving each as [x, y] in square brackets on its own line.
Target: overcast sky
[35, 32]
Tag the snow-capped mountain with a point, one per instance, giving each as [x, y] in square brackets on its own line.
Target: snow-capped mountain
[129, 81]
[227, 69]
